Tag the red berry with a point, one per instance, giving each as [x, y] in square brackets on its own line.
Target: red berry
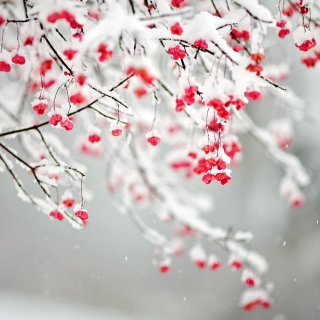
[17, 59]
[68, 202]
[176, 3]
[164, 269]
[28, 41]
[116, 132]
[215, 266]
[283, 33]
[67, 124]
[201, 44]
[2, 20]
[250, 282]
[180, 105]
[5, 67]
[54, 17]
[70, 53]
[94, 138]
[154, 141]
[200, 264]
[45, 66]
[250, 306]
[78, 98]
[81, 79]
[40, 108]
[177, 53]
[257, 57]
[281, 24]
[83, 215]
[55, 119]
[253, 95]
[176, 29]
[56, 214]
[140, 92]
[236, 264]
[238, 48]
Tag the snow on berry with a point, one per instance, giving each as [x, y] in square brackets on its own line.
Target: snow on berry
[304, 39]
[198, 256]
[165, 265]
[249, 278]
[116, 128]
[290, 191]
[252, 298]
[235, 262]
[55, 116]
[282, 131]
[153, 137]
[213, 262]
[82, 214]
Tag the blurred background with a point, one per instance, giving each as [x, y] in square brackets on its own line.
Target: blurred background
[50, 271]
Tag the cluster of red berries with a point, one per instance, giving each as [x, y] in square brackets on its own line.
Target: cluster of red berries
[284, 31]
[66, 15]
[177, 53]
[104, 53]
[16, 59]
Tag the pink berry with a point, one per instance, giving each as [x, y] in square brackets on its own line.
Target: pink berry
[55, 119]
[176, 29]
[54, 17]
[180, 105]
[17, 59]
[283, 33]
[40, 108]
[56, 214]
[238, 48]
[176, 3]
[201, 44]
[70, 53]
[68, 202]
[236, 264]
[281, 24]
[154, 141]
[215, 266]
[78, 98]
[5, 67]
[116, 132]
[67, 124]
[94, 138]
[250, 282]
[253, 95]
[83, 215]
